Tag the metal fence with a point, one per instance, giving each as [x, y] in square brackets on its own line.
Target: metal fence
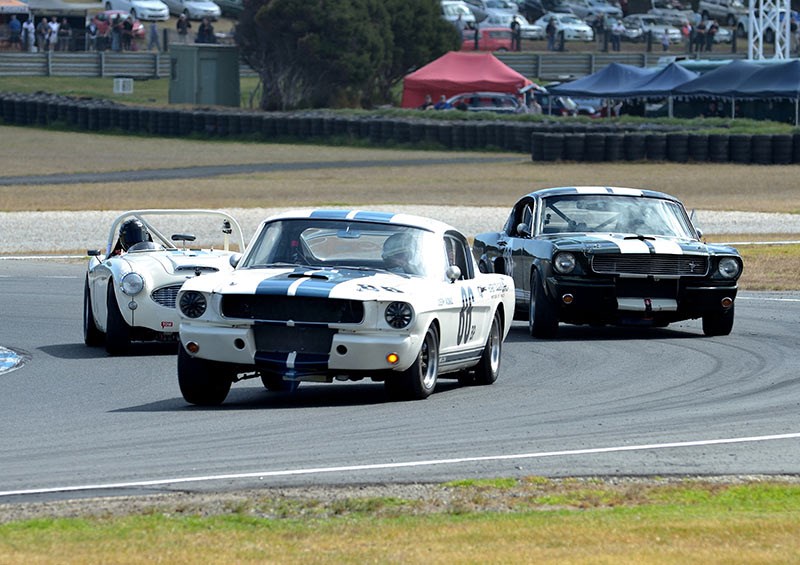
[151, 64]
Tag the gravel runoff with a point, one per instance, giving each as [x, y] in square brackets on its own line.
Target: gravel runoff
[29, 232]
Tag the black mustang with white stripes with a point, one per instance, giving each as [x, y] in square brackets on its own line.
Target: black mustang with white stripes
[601, 255]
[346, 295]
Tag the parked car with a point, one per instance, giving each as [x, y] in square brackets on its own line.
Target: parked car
[141, 9]
[632, 31]
[497, 102]
[555, 105]
[344, 295]
[604, 255]
[194, 9]
[535, 9]
[727, 11]
[674, 13]
[230, 8]
[452, 9]
[590, 9]
[489, 39]
[573, 27]
[769, 32]
[653, 25]
[503, 19]
[104, 20]
[131, 285]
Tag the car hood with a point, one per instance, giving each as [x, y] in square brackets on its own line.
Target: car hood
[597, 244]
[180, 262]
[150, 4]
[304, 281]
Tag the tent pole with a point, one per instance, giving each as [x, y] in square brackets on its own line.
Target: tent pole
[669, 106]
[796, 101]
[733, 108]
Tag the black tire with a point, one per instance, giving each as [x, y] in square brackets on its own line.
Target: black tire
[92, 336]
[118, 332]
[418, 381]
[202, 382]
[275, 383]
[542, 314]
[488, 368]
[719, 322]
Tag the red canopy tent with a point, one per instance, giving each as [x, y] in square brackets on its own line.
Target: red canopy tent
[456, 72]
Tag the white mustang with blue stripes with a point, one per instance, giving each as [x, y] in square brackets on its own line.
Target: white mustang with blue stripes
[346, 295]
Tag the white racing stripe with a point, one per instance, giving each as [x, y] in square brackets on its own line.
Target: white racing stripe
[399, 465]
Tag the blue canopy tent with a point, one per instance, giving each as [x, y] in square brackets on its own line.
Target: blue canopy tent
[608, 82]
[780, 81]
[662, 84]
[722, 82]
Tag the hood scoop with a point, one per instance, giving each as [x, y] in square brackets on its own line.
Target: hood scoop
[196, 269]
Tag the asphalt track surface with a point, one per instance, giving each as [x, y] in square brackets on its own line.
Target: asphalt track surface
[608, 401]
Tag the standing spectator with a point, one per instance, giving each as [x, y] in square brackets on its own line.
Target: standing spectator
[700, 36]
[516, 35]
[459, 23]
[665, 40]
[52, 36]
[29, 35]
[550, 30]
[91, 36]
[152, 37]
[64, 35]
[205, 32]
[127, 33]
[686, 32]
[711, 31]
[42, 34]
[14, 31]
[616, 35]
[116, 34]
[442, 104]
[183, 25]
[427, 104]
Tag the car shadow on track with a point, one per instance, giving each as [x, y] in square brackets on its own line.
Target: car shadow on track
[519, 333]
[308, 395]
[81, 351]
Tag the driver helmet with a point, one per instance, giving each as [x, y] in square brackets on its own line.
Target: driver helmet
[132, 232]
[397, 246]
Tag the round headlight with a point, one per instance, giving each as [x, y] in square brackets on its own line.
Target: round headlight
[398, 314]
[564, 263]
[728, 267]
[193, 304]
[132, 284]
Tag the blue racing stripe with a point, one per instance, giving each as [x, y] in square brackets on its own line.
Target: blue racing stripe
[330, 214]
[384, 217]
[275, 286]
[316, 288]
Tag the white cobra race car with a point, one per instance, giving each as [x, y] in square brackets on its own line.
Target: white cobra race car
[346, 295]
[131, 286]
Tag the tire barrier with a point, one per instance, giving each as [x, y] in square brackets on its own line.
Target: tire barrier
[697, 147]
[544, 141]
[761, 149]
[678, 147]
[656, 147]
[739, 145]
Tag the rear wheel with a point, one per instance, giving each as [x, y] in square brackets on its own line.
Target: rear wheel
[488, 368]
[275, 383]
[202, 382]
[92, 336]
[418, 381]
[118, 332]
[542, 315]
[718, 323]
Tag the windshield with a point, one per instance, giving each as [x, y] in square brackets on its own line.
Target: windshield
[344, 243]
[609, 213]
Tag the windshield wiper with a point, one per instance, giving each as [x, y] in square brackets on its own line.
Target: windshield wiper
[640, 236]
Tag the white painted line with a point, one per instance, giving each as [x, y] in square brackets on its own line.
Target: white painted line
[21, 257]
[379, 466]
[767, 299]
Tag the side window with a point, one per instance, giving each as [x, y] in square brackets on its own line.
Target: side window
[457, 256]
[527, 217]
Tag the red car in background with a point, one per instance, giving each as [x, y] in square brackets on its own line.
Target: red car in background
[104, 20]
[489, 39]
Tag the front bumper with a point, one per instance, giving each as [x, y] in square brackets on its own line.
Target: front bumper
[611, 300]
[349, 352]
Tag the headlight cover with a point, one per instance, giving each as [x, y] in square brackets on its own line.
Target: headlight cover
[729, 268]
[132, 284]
[564, 263]
[399, 314]
[193, 304]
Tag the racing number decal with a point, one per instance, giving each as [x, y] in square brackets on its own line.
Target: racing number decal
[465, 315]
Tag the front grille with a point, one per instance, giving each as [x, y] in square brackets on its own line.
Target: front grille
[295, 308]
[300, 339]
[166, 295]
[196, 269]
[648, 264]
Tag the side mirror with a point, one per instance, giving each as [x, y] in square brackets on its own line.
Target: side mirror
[522, 229]
[699, 233]
[453, 273]
[93, 252]
[234, 259]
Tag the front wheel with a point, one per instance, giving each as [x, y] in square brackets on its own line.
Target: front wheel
[92, 336]
[718, 323]
[118, 332]
[418, 381]
[542, 315]
[202, 382]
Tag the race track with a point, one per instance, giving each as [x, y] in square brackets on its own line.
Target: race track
[610, 401]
